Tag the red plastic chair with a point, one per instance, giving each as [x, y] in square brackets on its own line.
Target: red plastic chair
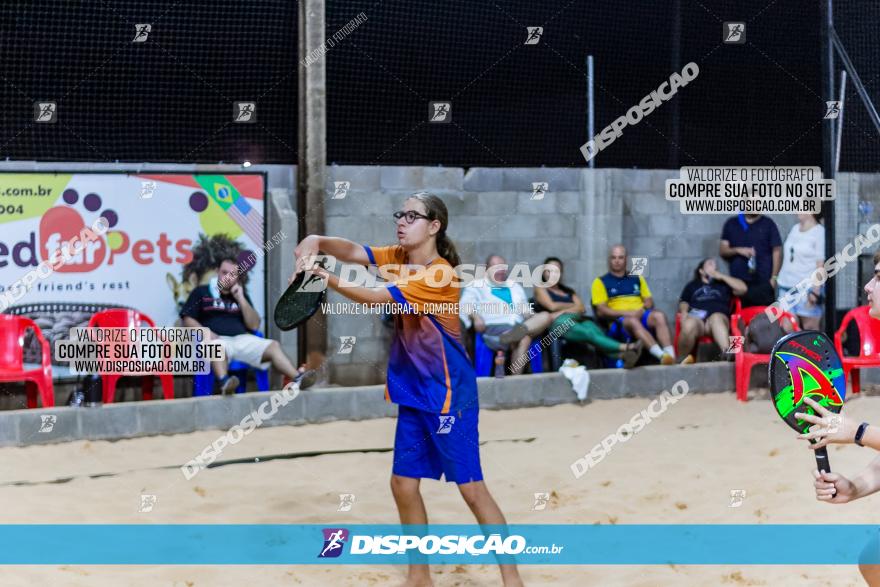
[121, 318]
[869, 344]
[736, 306]
[12, 331]
[745, 361]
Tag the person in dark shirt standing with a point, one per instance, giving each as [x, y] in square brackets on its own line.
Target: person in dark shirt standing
[751, 245]
[225, 308]
[704, 305]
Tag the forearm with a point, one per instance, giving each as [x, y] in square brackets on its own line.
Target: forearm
[777, 260]
[871, 438]
[868, 481]
[738, 286]
[357, 293]
[551, 305]
[249, 315]
[342, 249]
[568, 307]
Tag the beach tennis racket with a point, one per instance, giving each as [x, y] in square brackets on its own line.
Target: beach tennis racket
[300, 300]
[805, 364]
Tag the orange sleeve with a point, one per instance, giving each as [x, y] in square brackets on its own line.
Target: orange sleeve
[391, 254]
[387, 259]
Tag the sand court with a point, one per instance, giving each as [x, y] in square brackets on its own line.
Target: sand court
[680, 469]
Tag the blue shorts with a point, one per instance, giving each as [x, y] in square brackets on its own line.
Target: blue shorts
[428, 445]
[618, 332]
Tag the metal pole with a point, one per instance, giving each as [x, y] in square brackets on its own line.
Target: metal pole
[827, 76]
[591, 108]
[839, 125]
[311, 159]
[857, 81]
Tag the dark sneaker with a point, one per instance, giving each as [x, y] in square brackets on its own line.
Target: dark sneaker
[515, 334]
[631, 355]
[228, 385]
[306, 379]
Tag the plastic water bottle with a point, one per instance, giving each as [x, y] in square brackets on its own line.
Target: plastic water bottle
[753, 264]
[499, 364]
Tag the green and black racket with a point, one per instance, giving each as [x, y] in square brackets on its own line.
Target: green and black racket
[300, 300]
[805, 364]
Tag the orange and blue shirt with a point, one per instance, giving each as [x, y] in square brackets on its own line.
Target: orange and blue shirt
[428, 368]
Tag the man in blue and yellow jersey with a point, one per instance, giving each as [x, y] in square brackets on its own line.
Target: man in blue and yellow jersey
[625, 303]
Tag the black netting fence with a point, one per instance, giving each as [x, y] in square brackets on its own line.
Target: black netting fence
[513, 103]
[856, 24]
[169, 97]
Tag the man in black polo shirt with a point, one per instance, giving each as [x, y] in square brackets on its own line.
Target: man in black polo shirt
[225, 308]
[751, 245]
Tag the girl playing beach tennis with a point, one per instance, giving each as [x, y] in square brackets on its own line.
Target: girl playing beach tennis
[429, 375]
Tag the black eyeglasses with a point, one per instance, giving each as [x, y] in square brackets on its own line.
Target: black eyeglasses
[410, 216]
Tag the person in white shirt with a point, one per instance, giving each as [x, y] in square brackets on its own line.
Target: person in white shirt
[803, 253]
[500, 311]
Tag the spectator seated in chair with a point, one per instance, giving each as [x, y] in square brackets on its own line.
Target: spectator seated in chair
[567, 311]
[499, 311]
[224, 307]
[626, 303]
[704, 306]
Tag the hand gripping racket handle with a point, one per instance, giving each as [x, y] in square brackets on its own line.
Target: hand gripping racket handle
[822, 462]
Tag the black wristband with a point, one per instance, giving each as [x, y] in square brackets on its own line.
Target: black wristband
[861, 432]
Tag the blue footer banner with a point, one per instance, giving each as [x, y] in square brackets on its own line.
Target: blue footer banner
[283, 544]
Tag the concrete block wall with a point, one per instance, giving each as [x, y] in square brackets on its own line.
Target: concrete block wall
[492, 210]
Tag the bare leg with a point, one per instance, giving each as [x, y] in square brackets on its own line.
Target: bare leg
[220, 368]
[657, 321]
[636, 330]
[412, 511]
[275, 354]
[691, 329]
[538, 323]
[719, 325]
[476, 495]
[519, 350]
